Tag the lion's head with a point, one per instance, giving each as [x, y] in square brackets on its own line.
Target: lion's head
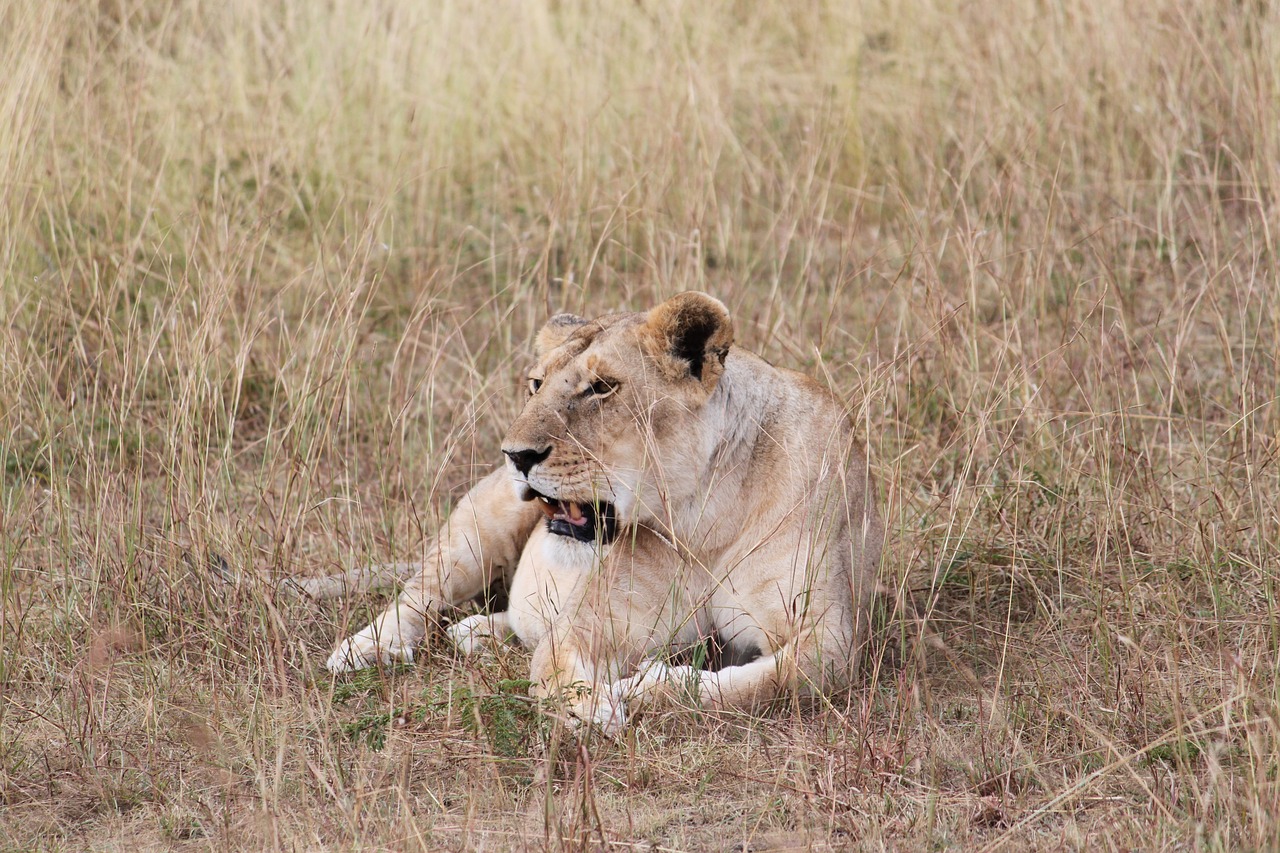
[613, 427]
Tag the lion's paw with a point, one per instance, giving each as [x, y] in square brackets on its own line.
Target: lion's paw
[471, 635]
[363, 650]
[605, 715]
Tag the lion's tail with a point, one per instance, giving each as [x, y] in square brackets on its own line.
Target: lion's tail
[362, 579]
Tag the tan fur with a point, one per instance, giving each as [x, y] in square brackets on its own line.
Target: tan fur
[745, 511]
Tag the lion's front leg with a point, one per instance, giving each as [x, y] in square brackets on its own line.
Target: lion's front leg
[595, 642]
[482, 538]
[634, 606]
[563, 668]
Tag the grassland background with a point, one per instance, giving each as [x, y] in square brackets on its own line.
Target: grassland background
[269, 268]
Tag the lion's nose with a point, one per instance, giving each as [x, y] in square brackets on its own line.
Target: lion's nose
[524, 460]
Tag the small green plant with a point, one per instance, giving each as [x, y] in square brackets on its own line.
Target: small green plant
[372, 728]
[508, 719]
[1178, 751]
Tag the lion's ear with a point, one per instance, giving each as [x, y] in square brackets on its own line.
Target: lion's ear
[558, 330]
[694, 331]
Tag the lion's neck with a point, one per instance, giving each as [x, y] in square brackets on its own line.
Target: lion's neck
[735, 423]
[734, 416]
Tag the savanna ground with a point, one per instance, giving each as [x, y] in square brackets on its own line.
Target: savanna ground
[270, 268]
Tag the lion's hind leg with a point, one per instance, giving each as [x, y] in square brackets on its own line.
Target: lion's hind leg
[742, 686]
[802, 666]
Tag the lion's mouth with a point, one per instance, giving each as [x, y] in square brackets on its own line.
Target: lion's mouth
[585, 522]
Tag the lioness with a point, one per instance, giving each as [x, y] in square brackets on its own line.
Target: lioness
[668, 486]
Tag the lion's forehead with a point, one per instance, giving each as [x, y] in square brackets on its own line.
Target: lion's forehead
[605, 344]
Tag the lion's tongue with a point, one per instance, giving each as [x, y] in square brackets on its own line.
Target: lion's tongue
[573, 513]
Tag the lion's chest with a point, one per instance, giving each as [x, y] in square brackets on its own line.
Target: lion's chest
[549, 570]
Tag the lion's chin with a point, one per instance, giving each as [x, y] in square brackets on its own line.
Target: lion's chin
[584, 521]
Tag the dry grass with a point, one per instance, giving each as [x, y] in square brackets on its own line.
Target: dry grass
[269, 267]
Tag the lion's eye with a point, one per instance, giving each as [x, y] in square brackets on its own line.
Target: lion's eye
[602, 388]
[534, 385]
